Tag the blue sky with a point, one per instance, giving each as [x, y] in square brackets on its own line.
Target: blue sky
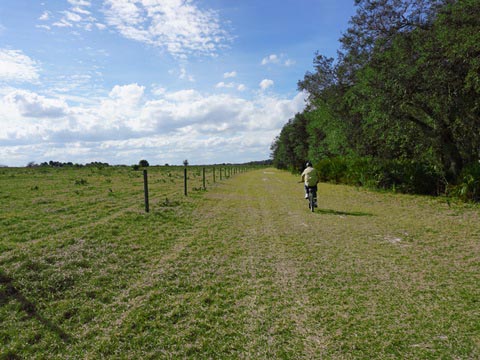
[117, 81]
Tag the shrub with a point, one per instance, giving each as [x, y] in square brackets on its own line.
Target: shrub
[400, 175]
[468, 184]
[332, 169]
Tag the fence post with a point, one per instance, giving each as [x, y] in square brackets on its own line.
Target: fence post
[145, 189]
[185, 180]
[204, 187]
[220, 174]
[214, 174]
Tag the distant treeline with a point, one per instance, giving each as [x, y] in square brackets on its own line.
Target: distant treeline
[142, 163]
[400, 105]
[52, 163]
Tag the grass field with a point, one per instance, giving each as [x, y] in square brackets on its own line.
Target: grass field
[240, 271]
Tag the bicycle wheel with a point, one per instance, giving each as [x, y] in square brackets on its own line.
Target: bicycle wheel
[311, 199]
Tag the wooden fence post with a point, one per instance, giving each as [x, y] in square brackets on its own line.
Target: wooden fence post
[145, 189]
[204, 187]
[185, 181]
[214, 174]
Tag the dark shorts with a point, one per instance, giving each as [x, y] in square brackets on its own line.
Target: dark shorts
[307, 188]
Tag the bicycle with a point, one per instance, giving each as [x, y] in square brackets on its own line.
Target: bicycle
[312, 198]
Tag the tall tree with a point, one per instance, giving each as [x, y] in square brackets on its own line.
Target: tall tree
[419, 86]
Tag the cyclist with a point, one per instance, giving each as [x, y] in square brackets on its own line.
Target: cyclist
[310, 179]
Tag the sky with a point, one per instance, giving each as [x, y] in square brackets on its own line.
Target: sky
[117, 81]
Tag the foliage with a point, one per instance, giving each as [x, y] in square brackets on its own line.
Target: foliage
[468, 185]
[289, 150]
[403, 91]
[405, 176]
[143, 163]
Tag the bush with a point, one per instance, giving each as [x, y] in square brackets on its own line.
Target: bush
[400, 175]
[333, 170]
[409, 176]
[468, 184]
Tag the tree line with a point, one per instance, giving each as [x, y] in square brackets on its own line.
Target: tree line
[400, 104]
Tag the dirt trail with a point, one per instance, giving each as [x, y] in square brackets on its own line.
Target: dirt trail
[259, 212]
[258, 226]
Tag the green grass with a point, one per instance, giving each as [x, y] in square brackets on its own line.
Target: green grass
[241, 271]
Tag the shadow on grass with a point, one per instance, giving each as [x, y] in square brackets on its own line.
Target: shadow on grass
[9, 291]
[344, 213]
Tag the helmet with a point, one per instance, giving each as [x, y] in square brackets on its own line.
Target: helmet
[308, 164]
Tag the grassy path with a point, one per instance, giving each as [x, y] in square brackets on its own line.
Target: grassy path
[245, 271]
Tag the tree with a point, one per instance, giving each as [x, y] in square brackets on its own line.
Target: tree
[143, 163]
[405, 87]
[421, 92]
[290, 148]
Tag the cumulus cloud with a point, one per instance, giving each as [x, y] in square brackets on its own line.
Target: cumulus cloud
[265, 84]
[130, 93]
[17, 67]
[179, 27]
[126, 124]
[32, 105]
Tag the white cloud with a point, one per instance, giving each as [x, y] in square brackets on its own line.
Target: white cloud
[32, 105]
[222, 84]
[17, 67]
[131, 92]
[241, 87]
[179, 27]
[71, 16]
[80, 2]
[183, 95]
[80, 10]
[45, 16]
[265, 84]
[76, 17]
[271, 59]
[229, 74]
[63, 23]
[277, 60]
[158, 90]
[126, 125]
[185, 76]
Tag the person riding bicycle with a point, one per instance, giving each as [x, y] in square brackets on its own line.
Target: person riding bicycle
[310, 178]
